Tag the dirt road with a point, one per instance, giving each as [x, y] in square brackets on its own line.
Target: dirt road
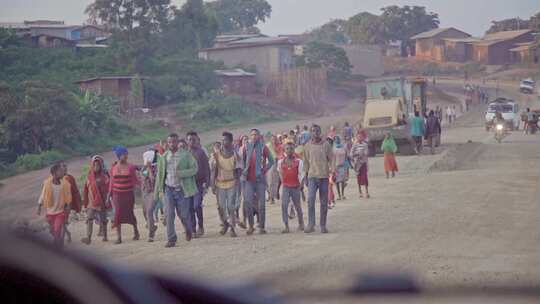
[467, 216]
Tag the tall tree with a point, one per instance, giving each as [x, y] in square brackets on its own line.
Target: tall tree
[332, 32]
[401, 23]
[366, 28]
[239, 15]
[191, 28]
[331, 57]
[508, 25]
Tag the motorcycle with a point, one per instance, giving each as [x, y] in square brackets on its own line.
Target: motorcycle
[532, 127]
[499, 132]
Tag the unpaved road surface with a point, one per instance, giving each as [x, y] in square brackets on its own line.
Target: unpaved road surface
[467, 216]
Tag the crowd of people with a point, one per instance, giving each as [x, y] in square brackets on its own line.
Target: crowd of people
[243, 173]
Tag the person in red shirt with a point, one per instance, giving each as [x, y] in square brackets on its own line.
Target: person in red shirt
[257, 160]
[95, 198]
[291, 172]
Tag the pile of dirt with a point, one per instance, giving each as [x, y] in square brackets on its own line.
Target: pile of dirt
[459, 157]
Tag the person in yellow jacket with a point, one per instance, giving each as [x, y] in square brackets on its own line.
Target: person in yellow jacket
[56, 199]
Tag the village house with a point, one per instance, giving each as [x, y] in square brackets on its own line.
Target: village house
[237, 82]
[56, 34]
[526, 53]
[269, 55]
[430, 45]
[494, 49]
[116, 86]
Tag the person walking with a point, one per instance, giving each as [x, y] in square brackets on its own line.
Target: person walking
[389, 149]
[454, 114]
[55, 198]
[150, 203]
[175, 179]
[318, 164]
[291, 172]
[94, 198]
[226, 168]
[359, 159]
[341, 161]
[202, 180]
[449, 115]
[122, 192]
[433, 130]
[417, 131]
[76, 200]
[256, 162]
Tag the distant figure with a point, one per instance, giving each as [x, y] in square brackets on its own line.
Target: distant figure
[347, 130]
[417, 131]
[449, 115]
[359, 159]
[433, 129]
[389, 149]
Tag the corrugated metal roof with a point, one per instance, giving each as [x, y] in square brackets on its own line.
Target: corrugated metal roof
[261, 40]
[234, 72]
[506, 35]
[466, 40]
[109, 78]
[434, 32]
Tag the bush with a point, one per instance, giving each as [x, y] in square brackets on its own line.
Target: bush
[28, 162]
[215, 110]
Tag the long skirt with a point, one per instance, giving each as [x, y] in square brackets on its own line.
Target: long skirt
[362, 176]
[390, 164]
[342, 174]
[123, 203]
[56, 224]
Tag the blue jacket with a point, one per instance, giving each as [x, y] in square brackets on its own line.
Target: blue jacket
[417, 126]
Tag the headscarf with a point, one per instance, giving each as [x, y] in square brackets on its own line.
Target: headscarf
[148, 156]
[119, 151]
[361, 135]
[389, 144]
[91, 179]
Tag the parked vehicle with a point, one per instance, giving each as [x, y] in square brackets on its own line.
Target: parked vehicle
[526, 86]
[390, 101]
[509, 110]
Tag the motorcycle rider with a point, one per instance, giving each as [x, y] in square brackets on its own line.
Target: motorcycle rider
[498, 119]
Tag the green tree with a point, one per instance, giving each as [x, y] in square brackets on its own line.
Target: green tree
[45, 118]
[239, 15]
[366, 28]
[334, 59]
[401, 23]
[8, 38]
[333, 32]
[508, 25]
[191, 28]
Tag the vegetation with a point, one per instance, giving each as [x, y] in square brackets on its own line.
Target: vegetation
[44, 117]
[334, 59]
[394, 24]
[214, 110]
[513, 24]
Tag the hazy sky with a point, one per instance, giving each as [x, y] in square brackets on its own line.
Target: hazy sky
[296, 16]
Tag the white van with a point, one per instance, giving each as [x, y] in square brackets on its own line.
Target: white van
[509, 110]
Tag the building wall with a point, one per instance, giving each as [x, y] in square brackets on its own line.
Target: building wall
[455, 51]
[267, 59]
[366, 60]
[51, 42]
[91, 32]
[499, 53]
[57, 32]
[424, 46]
[238, 85]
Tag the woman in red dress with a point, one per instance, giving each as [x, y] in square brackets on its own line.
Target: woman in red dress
[123, 181]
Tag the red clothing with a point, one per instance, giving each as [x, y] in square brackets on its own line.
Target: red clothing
[252, 170]
[75, 194]
[96, 190]
[123, 180]
[290, 174]
[56, 224]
